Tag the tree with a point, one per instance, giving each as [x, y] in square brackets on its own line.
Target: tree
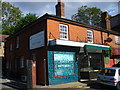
[86, 15]
[10, 16]
[13, 21]
[24, 21]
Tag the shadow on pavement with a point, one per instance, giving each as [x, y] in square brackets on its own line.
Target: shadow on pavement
[12, 83]
[98, 86]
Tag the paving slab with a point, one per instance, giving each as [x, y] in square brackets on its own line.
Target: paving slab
[66, 85]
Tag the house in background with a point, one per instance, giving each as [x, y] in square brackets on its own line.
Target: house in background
[115, 26]
[64, 50]
[115, 23]
[2, 43]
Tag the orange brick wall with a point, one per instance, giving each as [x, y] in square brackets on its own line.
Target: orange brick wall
[105, 36]
[76, 33]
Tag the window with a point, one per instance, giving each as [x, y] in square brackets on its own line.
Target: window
[33, 57]
[108, 72]
[119, 72]
[90, 36]
[17, 42]
[11, 47]
[63, 31]
[117, 40]
[7, 65]
[64, 63]
[22, 62]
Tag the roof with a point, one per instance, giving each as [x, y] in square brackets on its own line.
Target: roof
[54, 17]
[3, 37]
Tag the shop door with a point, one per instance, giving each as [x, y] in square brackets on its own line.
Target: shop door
[95, 61]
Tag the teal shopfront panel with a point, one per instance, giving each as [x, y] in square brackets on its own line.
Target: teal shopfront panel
[62, 67]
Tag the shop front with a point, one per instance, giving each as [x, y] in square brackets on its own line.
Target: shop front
[93, 60]
[67, 59]
[62, 61]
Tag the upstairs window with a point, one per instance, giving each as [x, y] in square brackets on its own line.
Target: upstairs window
[63, 31]
[17, 42]
[11, 47]
[90, 36]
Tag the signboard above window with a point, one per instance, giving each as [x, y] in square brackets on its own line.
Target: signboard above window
[37, 40]
[117, 40]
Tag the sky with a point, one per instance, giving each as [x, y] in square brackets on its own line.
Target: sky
[40, 7]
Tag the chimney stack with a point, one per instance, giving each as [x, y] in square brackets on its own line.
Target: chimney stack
[105, 22]
[60, 9]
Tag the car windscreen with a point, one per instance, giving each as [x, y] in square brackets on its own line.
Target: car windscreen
[107, 72]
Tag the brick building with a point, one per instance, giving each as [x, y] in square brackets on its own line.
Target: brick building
[115, 23]
[64, 50]
[2, 43]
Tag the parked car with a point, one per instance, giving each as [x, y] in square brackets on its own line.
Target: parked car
[110, 76]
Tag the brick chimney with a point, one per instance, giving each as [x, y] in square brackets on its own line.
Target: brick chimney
[60, 9]
[105, 22]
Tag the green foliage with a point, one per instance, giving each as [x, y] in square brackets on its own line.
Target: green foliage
[86, 15]
[109, 52]
[12, 20]
[24, 21]
[10, 16]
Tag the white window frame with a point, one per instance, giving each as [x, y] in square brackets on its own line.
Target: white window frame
[90, 36]
[63, 31]
[22, 62]
[117, 40]
[17, 42]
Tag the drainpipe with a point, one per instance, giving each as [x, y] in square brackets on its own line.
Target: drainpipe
[45, 71]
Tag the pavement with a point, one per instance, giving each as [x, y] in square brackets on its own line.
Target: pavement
[83, 84]
[12, 84]
[66, 85]
[16, 84]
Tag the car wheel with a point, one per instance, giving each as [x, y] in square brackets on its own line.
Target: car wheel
[118, 86]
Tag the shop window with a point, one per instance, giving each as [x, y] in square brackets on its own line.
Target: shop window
[64, 63]
[63, 31]
[22, 62]
[17, 42]
[90, 36]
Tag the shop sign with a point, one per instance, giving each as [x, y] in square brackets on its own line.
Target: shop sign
[37, 40]
[63, 63]
[107, 61]
[117, 40]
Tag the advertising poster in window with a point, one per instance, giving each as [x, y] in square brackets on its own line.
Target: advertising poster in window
[64, 63]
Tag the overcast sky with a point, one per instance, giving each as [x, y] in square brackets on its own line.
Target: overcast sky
[40, 8]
